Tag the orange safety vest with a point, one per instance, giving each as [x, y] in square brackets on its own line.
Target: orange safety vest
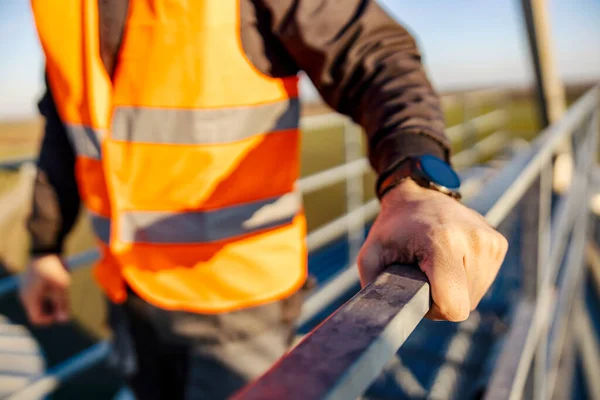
[186, 160]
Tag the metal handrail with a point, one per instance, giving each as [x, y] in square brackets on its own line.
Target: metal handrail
[341, 357]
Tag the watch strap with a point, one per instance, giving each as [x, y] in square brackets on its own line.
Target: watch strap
[399, 171]
[408, 168]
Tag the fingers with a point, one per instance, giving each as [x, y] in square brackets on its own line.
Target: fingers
[33, 303]
[47, 307]
[45, 301]
[449, 284]
[59, 300]
[369, 261]
[486, 251]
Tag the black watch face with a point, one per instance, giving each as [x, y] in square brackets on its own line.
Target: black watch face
[439, 172]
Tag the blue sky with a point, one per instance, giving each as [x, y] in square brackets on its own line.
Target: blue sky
[464, 43]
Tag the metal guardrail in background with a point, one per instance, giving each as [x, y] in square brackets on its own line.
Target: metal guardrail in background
[342, 356]
[14, 164]
[351, 224]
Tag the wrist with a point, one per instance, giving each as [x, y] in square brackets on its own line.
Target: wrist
[426, 171]
[407, 190]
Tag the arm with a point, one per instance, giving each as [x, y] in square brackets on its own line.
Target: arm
[56, 200]
[367, 66]
[44, 288]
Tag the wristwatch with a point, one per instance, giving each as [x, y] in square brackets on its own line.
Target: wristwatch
[426, 170]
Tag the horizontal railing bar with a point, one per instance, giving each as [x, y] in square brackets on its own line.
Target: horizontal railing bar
[489, 121]
[320, 180]
[323, 121]
[52, 380]
[332, 119]
[333, 175]
[479, 96]
[339, 226]
[369, 338]
[13, 164]
[487, 147]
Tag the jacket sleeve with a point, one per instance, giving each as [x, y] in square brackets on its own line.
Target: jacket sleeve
[56, 200]
[367, 66]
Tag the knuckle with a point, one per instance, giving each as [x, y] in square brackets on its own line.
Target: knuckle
[500, 245]
[503, 243]
[477, 239]
[363, 259]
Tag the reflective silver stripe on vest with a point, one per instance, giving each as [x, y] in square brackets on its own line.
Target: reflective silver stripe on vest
[85, 140]
[100, 226]
[203, 126]
[208, 226]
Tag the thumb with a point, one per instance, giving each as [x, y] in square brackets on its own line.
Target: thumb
[449, 286]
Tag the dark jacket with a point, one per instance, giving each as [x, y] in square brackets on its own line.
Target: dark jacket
[363, 63]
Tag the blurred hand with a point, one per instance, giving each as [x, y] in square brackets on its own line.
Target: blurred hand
[453, 245]
[44, 290]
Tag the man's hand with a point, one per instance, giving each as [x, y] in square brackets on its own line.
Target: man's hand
[456, 248]
[44, 290]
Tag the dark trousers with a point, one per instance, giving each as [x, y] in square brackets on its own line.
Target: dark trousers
[178, 355]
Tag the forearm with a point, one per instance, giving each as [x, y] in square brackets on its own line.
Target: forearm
[367, 66]
[56, 201]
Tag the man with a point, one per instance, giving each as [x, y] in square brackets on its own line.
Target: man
[176, 123]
